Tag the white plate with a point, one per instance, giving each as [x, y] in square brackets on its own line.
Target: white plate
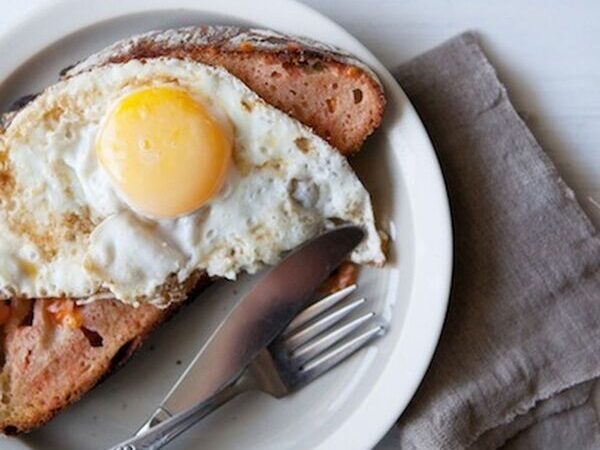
[349, 408]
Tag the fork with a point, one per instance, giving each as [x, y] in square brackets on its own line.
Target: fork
[316, 340]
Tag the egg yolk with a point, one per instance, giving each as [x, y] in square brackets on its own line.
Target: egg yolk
[164, 151]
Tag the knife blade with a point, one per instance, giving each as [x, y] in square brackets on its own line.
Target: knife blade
[257, 319]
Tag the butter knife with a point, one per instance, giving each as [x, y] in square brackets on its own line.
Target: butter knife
[257, 319]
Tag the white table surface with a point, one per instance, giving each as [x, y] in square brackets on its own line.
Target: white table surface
[548, 56]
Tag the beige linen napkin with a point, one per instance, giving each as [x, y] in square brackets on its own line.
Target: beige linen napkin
[521, 343]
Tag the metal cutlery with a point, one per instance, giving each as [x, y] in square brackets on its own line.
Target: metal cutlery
[260, 347]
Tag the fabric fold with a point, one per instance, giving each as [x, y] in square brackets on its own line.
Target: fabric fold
[521, 342]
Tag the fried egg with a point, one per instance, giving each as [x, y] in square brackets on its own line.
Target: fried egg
[131, 178]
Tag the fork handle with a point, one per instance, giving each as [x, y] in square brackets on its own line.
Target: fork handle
[163, 433]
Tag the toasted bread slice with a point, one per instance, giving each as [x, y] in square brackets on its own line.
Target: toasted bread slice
[50, 363]
[323, 87]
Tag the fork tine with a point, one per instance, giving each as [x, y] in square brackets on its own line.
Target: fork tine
[323, 343]
[317, 308]
[310, 331]
[323, 363]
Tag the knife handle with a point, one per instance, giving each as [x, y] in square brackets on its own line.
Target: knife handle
[164, 432]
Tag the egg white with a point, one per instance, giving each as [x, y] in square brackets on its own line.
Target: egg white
[66, 231]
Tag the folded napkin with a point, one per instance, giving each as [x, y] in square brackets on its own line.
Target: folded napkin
[521, 344]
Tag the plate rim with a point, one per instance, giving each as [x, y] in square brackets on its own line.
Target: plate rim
[357, 431]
